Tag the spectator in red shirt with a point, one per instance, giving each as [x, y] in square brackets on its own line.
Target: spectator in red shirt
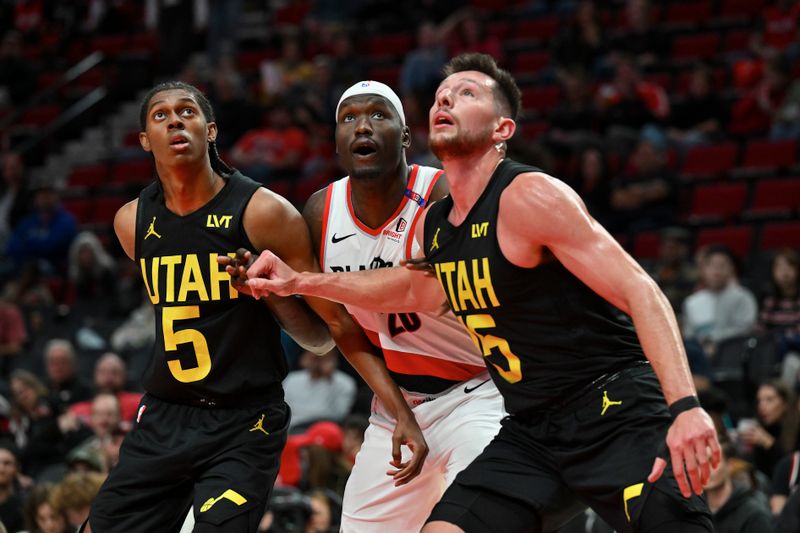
[110, 376]
[13, 334]
[777, 29]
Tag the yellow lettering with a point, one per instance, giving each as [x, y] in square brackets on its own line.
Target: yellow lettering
[464, 287]
[483, 282]
[152, 293]
[447, 269]
[480, 230]
[219, 275]
[226, 220]
[192, 280]
[170, 261]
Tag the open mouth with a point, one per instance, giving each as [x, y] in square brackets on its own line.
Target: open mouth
[364, 148]
[179, 142]
[441, 119]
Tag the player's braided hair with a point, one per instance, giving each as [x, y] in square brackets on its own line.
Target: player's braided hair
[217, 164]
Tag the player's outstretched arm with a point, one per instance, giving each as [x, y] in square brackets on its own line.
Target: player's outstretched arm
[558, 220]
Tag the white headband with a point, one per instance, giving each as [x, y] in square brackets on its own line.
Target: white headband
[373, 87]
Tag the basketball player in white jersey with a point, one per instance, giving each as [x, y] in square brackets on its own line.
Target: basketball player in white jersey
[366, 220]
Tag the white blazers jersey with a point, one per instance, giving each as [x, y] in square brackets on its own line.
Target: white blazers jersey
[425, 352]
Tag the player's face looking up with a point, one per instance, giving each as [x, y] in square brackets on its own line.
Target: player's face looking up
[464, 114]
[176, 128]
[370, 137]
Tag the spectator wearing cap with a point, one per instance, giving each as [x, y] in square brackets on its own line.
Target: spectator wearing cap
[722, 308]
[314, 459]
[45, 234]
[319, 391]
[110, 376]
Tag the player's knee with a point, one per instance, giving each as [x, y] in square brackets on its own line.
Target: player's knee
[665, 513]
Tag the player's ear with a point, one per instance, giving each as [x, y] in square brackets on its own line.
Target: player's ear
[144, 141]
[212, 132]
[504, 130]
[405, 137]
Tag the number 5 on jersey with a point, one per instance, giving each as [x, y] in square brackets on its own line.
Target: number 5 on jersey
[173, 338]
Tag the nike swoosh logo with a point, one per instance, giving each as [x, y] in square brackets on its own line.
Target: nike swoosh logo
[467, 390]
[336, 239]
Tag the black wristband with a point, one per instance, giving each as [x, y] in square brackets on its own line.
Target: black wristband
[684, 404]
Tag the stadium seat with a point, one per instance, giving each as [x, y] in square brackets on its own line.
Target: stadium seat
[766, 154]
[775, 197]
[687, 13]
[737, 41]
[80, 207]
[388, 74]
[88, 176]
[105, 207]
[541, 99]
[392, 44]
[132, 171]
[780, 235]
[645, 245]
[40, 116]
[527, 63]
[741, 8]
[738, 238]
[721, 201]
[539, 29]
[710, 160]
[698, 46]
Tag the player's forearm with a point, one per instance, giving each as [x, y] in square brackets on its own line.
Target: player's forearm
[301, 323]
[387, 290]
[662, 344]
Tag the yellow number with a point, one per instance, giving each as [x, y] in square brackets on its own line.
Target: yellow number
[173, 338]
[485, 343]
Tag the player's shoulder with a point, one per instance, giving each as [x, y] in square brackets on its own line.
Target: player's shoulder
[536, 187]
[314, 208]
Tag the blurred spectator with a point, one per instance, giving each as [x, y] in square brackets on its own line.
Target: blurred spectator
[646, 197]
[45, 234]
[784, 481]
[575, 119]
[280, 76]
[471, 35]
[593, 181]
[789, 519]
[73, 496]
[223, 26]
[40, 517]
[274, 151]
[353, 428]
[63, 383]
[641, 37]
[422, 67]
[110, 376]
[34, 425]
[176, 22]
[319, 391]
[17, 74]
[11, 497]
[231, 107]
[673, 269]
[13, 335]
[137, 333]
[628, 102]
[91, 275]
[776, 430]
[15, 199]
[734, 509]
[780, 311]
[753, 113]
[321, 93]
[722, 308]
[700, 117]
[776, 28]
[786, 118]
[348, 66]
[314, 459]
[583, 41]
[326, 509]
[716, 403]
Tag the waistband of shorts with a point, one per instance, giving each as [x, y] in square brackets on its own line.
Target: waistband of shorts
[583, 395]
[414, 399]
[248, 398]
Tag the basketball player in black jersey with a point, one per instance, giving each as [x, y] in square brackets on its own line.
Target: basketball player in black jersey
[551, 300]
[211, 426]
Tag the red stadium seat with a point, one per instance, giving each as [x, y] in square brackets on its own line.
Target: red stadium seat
[388, 74]
[724, 200]
[81, 208]
[133, 171]
[780, 235]
[766, 154]
[741, 8]
[738, 238]
[530, 62]
[532, 130]
[775, 197]
[393, 44]
[88, 176]
[699, 46]
[689, 13]
[711, 160]
[105, 207]
[645, 245]
[110, 45]
[541, 99]
[40, 116]
[539, 29]
[737, 41]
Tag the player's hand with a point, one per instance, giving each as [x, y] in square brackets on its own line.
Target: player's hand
[237, 267]
[420, 264]
[408, 433]
[691, 440]
[269, 275]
